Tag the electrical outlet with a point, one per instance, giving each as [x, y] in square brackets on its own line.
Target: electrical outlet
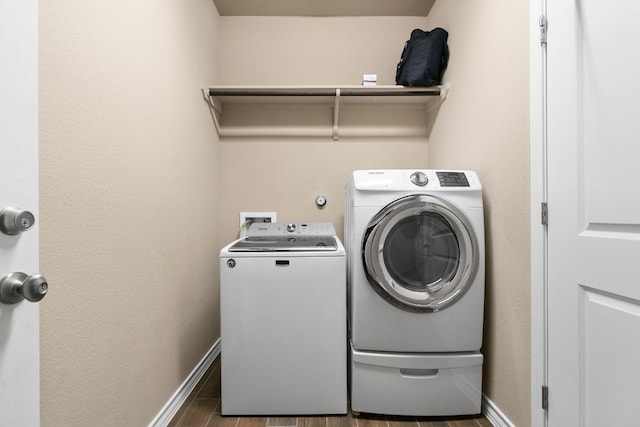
[257, 217]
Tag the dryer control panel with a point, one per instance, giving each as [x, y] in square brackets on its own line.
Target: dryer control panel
[412, 180]
[452, 179]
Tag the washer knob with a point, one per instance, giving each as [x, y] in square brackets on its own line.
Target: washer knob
[291, 228]
[419, 178]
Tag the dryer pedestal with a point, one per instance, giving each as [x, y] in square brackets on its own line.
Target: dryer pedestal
[416, 384]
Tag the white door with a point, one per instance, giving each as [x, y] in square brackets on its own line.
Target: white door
[594, 213]
[19, 357]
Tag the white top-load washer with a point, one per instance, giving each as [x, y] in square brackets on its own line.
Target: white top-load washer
[415, 261]
[283, 321]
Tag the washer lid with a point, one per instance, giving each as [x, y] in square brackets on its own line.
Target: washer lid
[285, 244]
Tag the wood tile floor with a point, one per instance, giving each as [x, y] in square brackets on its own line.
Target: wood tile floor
[202, 409]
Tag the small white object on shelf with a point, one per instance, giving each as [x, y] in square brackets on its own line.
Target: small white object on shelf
[369, 79]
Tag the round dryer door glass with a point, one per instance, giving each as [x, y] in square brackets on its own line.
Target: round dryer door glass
[420, 253]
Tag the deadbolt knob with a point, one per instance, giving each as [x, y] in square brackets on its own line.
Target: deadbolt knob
[15, 220]
[18, 286]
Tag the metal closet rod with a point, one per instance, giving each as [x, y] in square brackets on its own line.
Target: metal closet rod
[404, 91]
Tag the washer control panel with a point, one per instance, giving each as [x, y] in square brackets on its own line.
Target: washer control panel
[291, 228]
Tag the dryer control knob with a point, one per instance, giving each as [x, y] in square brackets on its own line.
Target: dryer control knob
[419, 178]
[291, 228]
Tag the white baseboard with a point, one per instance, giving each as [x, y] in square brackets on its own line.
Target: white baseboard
[171, 407]
[494, 414]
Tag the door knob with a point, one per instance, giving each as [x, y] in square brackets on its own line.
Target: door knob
[17, 286]
[15, 220]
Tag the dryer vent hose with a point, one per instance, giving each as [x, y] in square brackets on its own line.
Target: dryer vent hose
[242, 232]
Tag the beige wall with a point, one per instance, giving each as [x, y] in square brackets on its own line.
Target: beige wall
[484, 126]
[138, 195]
[311, 51]
[128, 158]
[286, 175]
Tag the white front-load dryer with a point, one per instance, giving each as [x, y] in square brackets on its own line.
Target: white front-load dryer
[415, 261]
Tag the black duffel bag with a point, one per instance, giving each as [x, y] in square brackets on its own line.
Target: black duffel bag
[424, 58]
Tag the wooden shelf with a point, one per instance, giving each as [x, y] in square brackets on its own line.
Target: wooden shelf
[316, 100]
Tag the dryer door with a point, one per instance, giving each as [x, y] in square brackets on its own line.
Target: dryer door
[420, 253]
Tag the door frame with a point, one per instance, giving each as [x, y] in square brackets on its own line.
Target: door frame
[538, 188]
[19, 322]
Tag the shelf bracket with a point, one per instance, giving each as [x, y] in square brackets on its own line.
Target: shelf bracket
[336, 112]
[214, 108]
[444, 89]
